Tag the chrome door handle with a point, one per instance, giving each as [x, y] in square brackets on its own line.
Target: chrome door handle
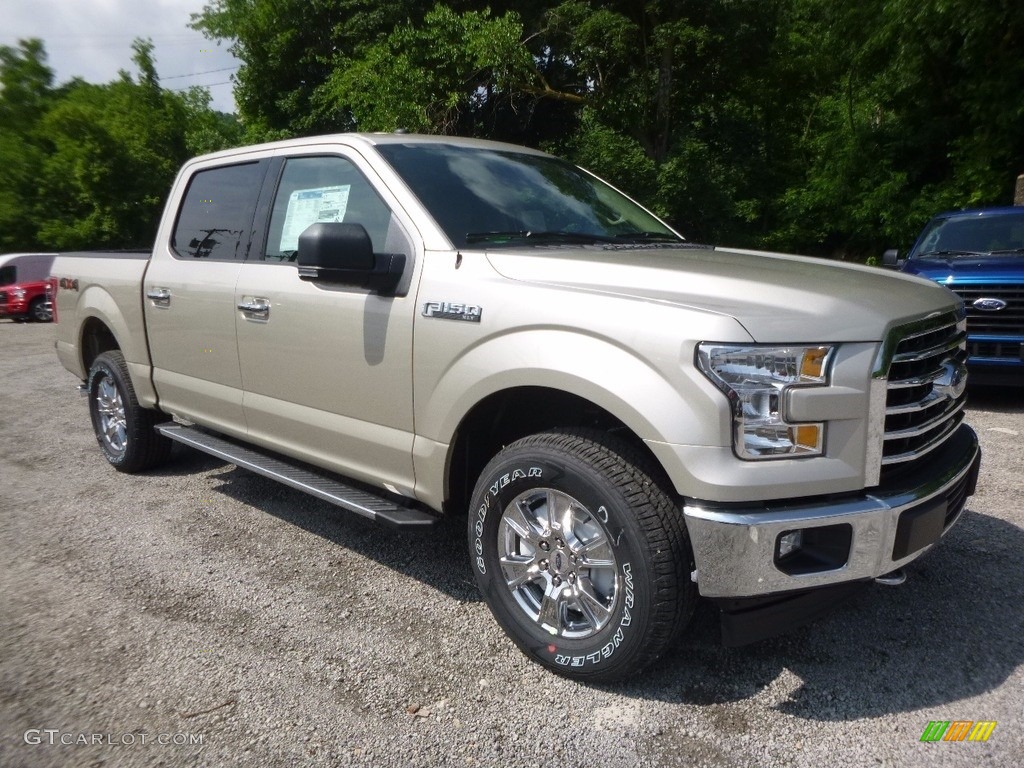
[259, 307]
[161, 297]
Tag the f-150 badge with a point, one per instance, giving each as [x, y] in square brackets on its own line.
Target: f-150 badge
[448, 311]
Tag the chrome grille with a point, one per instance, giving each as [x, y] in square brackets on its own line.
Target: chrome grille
[926, 389]
[1008, 320]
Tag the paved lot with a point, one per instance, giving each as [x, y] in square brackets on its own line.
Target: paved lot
[204, 604]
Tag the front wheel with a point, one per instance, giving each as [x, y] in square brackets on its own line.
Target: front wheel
[39, 312]
[581, 554]
[124, 429]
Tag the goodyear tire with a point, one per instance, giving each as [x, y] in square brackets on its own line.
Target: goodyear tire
[581, 554]
[124, 429]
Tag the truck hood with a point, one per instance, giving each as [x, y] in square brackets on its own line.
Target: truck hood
[968, 269]
[775, 297]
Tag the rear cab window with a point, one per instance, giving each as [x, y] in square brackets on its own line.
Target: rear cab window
[216, 213]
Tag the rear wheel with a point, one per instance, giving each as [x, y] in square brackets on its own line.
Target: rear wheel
[124, 429]
[581, 554]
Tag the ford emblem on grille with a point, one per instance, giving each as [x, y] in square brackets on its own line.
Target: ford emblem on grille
[952, 381]
[986, 304]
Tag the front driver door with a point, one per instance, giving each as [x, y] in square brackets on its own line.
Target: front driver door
[326, 368]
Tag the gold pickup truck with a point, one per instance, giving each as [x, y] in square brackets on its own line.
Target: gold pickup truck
[411, 327]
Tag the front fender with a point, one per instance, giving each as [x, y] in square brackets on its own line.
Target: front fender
[612, 377]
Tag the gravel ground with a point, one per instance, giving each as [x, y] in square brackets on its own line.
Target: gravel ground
[203, 604]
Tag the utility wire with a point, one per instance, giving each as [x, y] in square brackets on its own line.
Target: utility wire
[196, 74]
[207, 85]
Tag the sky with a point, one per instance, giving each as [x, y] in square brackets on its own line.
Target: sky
[92, 39]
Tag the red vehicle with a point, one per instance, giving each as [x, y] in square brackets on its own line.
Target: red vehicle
[23, 279]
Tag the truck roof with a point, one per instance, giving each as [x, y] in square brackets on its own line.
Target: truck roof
[7, 258]
[982, 212]
[372, 139]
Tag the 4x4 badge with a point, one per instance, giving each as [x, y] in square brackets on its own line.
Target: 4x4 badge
[986, 304]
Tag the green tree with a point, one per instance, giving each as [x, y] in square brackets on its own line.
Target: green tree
[913, 108]
[290, 48]
[207, 130]
[26, 92]
[114, 151]
[795, 124]
[89, 166]
[429, 77]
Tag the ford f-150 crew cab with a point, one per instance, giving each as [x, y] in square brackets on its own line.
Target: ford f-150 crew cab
[411, 327]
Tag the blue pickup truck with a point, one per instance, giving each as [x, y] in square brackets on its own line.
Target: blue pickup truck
[979, 254]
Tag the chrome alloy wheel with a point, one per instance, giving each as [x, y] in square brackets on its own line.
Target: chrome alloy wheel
[113, 422]
[558, 562]
[41, 312]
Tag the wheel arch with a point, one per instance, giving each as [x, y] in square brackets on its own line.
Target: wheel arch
[590, 379]
[95, 338]
[507, 415]
[107, 323]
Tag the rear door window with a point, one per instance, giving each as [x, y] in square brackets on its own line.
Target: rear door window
[217, 213]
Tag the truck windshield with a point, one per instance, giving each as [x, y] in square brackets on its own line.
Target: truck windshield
[492, 198]
[972, 235]
[8, 275]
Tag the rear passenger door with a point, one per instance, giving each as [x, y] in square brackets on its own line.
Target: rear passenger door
[327, 368]
[188, 294]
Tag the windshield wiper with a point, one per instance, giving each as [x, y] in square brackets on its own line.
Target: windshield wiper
[1008, 250]
[952, 253]
[648, 237]
[537, 237]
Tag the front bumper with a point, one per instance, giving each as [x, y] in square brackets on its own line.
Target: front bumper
[736, 547]
[14, 308]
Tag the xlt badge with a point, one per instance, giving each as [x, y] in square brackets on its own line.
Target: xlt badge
[449, 311]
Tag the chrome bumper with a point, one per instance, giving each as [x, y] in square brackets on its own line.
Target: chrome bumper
[735, 547]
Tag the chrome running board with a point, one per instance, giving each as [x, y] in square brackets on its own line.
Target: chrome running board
[301, 477]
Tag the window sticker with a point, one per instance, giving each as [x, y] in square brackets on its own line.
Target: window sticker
[308, 206]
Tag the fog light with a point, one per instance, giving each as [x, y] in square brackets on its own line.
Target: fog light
[790, 543]
[813, 550]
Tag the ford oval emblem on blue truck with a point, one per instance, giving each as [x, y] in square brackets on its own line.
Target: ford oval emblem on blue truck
[986, 304]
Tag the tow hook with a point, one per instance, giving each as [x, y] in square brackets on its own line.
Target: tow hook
[893, 578]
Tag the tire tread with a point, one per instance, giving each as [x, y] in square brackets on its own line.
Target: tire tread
[146, 448]
[644, 486]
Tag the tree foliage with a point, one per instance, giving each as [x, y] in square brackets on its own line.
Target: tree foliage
[797, 124]
[805, 125]
[85, 165]
[917, 110]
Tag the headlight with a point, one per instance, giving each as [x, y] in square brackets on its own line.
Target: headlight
[18, 293]
[755, 380]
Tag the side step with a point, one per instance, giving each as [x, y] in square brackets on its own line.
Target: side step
[300, 477]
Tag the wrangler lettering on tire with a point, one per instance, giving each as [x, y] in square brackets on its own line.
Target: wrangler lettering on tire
[581, 553]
